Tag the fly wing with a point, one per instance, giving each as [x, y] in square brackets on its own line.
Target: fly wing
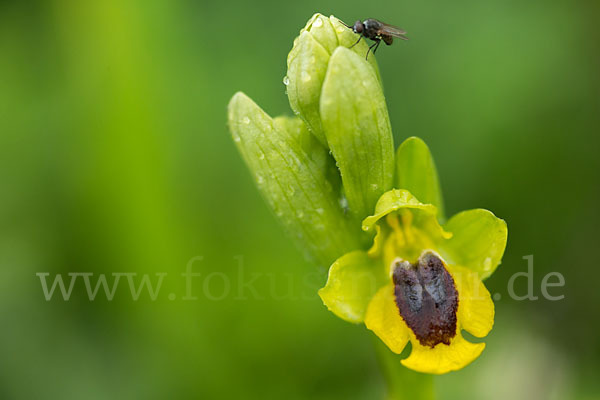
[391, 30]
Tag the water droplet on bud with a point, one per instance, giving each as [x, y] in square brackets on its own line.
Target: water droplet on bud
[487, 264]
[305, 77]
[344, 203]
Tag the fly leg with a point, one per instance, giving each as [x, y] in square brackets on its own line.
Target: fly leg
[376, 45]
[360, 37]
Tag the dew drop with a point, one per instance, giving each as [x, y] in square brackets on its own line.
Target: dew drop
[487, 264]
[259, 179]
[318, 23]
[261, 156]
[286, 80]
[236, 138]
[246, 120]
[374, 186]
[305, 77]
[344, 202]
[300, 214]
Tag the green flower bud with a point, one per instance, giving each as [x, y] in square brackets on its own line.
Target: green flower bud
[291, 170]
[307, 65]
[338, 94]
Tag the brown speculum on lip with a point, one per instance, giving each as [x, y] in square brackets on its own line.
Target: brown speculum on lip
[427, 299]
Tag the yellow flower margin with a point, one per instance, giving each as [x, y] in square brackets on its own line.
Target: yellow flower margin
[360, 288]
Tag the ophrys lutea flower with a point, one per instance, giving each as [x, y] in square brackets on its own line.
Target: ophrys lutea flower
[421, 282]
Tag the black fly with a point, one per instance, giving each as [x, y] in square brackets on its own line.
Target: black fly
[376, 31]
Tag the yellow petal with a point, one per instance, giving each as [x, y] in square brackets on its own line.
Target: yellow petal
[384, 319]
[475, 305]
[442, 358]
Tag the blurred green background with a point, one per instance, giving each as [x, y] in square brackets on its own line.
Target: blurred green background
[115, 157]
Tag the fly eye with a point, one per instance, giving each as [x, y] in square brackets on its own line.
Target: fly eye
[358, 27]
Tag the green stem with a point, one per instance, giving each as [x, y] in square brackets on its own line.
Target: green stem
[402, 383]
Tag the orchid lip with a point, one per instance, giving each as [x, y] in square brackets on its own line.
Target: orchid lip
[426, 298]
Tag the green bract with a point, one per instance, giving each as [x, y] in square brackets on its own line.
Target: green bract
[291, 172]
[332, 178]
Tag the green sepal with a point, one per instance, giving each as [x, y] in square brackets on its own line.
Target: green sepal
[478, 241]
[353, 280]
[357, 127]
[294, 184]
[416, 172]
